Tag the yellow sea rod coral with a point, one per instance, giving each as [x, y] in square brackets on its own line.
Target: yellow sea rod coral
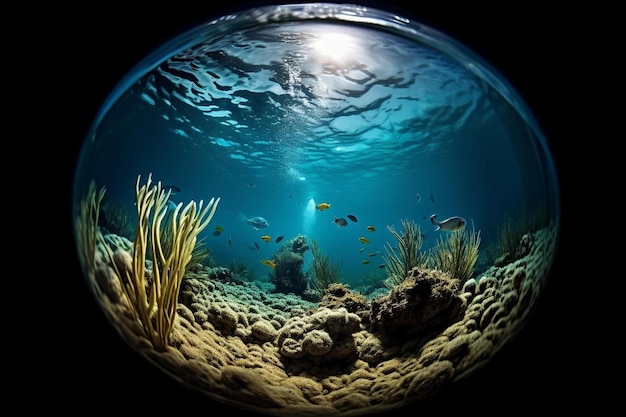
[154, 303]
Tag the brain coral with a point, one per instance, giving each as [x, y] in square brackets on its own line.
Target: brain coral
[325, 334]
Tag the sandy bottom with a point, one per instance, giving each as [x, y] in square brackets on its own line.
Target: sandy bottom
[245, 346]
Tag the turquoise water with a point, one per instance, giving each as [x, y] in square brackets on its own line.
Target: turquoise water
[276, 119]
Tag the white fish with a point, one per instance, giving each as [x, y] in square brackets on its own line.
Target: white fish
[450, 224]
[256, 222]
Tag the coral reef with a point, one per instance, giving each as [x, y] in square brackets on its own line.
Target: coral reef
[278, 354]
[288, 276]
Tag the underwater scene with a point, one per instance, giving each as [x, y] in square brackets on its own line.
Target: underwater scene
[316, 210]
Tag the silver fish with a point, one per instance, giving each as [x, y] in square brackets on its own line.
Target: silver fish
[256, 222]
[450, 224]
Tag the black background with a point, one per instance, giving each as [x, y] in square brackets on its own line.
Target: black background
[92, 367]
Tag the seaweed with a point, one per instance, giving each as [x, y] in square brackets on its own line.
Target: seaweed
[408, 255]
[323, 271]
[116, 219]
[153, 295]
[86, 227]
[506, 248]
[456, 253]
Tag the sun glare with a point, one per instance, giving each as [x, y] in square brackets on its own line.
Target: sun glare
[335, 47]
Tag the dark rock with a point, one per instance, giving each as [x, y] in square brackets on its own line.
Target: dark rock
[427, 300]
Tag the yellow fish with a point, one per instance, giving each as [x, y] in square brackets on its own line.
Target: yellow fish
[268, 262]
[364, 240]
[371, 228]
[266, 238]
[323, 206]
[219, 229]
[372, 254]
[365, 262]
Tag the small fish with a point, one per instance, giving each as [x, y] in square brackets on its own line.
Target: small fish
[381, 265]
[432, 198]
[219, 229]
[279, 238]
[216, 233]
[268, 262]
[365, 261]
[323, 206]
[340, 222]
[372, 254]
[230, 241]
[419, 197]
[361, 250]
[353, 218]
[364, 239]
[371, 228]
[250, 185]
[266, 238]
[450, 224]
[256, 245]
[173, 189]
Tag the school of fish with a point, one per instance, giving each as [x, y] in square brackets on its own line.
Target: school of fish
[450, 224]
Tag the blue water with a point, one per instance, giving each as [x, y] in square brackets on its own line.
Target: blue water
[276, 120]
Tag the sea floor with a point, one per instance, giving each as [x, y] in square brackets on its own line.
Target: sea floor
[279, 354]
